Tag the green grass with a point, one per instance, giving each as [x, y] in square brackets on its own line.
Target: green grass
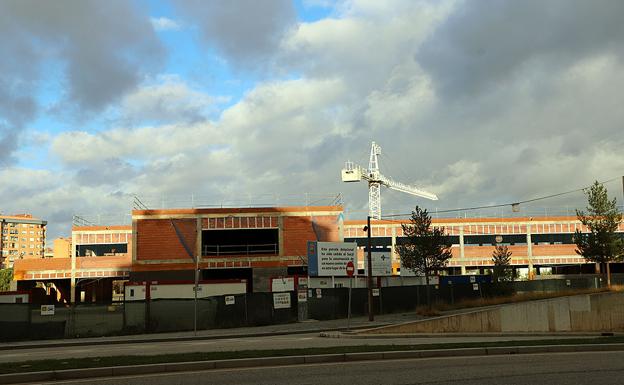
[76, 363]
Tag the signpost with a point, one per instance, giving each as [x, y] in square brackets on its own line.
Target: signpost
[350, 268]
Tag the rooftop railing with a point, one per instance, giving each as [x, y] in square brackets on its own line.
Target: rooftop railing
[249, 249]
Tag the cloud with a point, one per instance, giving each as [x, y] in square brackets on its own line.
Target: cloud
[102, 50]
[169, 101]
[144, 143]
[164, 24]
[471, 130]
[483, 45]
[246, 32]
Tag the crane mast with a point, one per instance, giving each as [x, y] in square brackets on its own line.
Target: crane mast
[374, 183]
[353, 172]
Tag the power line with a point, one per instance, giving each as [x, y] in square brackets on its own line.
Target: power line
[505, 204]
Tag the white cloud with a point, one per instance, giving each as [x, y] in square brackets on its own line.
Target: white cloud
[171, 100]
[145, 143]
[541, 127]
[164, 24]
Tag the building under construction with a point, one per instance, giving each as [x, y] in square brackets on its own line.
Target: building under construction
[260, 243]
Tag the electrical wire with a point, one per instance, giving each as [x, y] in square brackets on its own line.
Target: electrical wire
[504, 204]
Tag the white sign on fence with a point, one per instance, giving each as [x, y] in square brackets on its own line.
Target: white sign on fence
[302, 295]
[329, 259]
[282, 284]
[229, 300]
[47, 309]
[375, 292]
[281, 300]
[382, 263]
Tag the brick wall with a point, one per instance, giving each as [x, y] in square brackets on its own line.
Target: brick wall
[297, 231]
[157, 239]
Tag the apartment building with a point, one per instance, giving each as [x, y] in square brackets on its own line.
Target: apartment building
[23, 237]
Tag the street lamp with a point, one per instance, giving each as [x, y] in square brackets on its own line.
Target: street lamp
[369, 280]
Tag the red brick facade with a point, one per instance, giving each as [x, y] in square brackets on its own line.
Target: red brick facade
[158, 247]
[157, 239]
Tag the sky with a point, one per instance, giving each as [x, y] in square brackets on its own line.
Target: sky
[250, 102]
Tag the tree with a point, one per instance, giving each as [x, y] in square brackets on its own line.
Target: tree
[600, 244]
[501, 257]
[6, 276]
[425, 250]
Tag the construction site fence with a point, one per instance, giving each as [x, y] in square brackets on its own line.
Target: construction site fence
[21, 321]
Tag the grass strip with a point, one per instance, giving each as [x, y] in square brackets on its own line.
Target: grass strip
[96, 362]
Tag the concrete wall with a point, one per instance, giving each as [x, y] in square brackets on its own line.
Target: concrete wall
[591, 312]
[184, 290]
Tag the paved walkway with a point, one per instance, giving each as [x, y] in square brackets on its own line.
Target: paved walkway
[257, 331]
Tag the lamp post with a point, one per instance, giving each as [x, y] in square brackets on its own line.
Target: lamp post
[195, 300]
[369, 273]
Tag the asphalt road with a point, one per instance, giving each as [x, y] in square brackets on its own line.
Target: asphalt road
[307, 340]
[593, 368]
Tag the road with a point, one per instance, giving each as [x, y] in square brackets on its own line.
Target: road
[602, 368]
[305, 340]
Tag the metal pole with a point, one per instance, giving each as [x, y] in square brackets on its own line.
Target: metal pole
[349, 308]
[371, 316]
[196, 288]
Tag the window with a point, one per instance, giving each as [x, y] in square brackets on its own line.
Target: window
[240, 242]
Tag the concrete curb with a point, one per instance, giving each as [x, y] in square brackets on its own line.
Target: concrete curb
[104, 341]
[294, 360]
[355, 335]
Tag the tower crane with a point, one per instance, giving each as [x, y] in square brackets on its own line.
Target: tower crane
[353, 172]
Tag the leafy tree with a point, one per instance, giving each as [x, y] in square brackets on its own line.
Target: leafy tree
[6, 276]
[425, 250]
[600, 244]
[501, 257]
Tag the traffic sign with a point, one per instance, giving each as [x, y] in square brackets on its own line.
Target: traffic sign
[350, 269]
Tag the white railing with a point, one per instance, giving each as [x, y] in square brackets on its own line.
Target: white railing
[217, 250]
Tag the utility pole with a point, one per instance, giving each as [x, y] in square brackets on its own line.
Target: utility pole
[371, 316]
[195, 300]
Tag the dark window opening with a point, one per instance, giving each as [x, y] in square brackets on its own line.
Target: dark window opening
[100, 250]
[240, 242]
[552, 239]
[490, 239]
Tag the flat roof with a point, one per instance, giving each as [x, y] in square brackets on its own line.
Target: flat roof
[503, 220]
[101, 228]
[237, 210]
[22, 218]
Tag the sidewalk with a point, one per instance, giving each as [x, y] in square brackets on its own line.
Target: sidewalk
[310, 326]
